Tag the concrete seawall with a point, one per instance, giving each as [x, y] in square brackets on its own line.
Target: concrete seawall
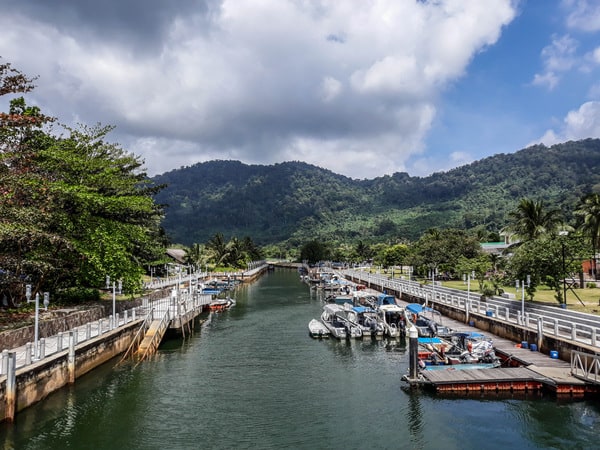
[35, 382]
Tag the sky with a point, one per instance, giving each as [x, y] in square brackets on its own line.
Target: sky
[364, 88]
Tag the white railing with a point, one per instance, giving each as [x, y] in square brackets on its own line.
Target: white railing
[50, 346]
[471, 303]
[585, 366]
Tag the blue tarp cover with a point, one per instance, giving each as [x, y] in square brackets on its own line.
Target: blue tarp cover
[426, 340]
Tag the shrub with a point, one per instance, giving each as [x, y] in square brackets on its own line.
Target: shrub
[76, 295]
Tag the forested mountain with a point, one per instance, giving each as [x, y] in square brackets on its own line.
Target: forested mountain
[292, 202]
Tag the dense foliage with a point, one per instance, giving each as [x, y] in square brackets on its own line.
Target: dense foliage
[292, 203]
[73, 208]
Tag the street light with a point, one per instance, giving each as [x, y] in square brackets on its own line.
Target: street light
[523, 294]
[562, 244]
[37, 314]
[114, 305]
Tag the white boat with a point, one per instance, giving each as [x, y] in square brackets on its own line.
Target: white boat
[316, 329]
[393, 316]
[335, 318]
[367, 319]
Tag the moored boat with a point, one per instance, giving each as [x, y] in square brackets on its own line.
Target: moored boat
[317, 329]
[221, 304]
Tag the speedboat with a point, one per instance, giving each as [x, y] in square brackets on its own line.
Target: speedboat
[394, 321]
[367, 319]
[221, 304]
[335, 318]
[316, 329]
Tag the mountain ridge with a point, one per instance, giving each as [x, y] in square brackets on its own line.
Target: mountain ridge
[290, 202]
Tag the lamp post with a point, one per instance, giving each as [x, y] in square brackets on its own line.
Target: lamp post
[37, 314]
[114, 305]
[564, 269]
[523, 294]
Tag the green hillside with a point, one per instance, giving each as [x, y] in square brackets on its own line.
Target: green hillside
[294, 201]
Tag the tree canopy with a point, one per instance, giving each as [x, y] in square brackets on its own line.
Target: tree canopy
[74, 208]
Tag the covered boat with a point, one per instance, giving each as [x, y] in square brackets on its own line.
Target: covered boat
[317, 329]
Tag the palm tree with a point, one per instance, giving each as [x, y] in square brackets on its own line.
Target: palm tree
[218, 248]
[196, 255]
[589, 210]
[531, 220]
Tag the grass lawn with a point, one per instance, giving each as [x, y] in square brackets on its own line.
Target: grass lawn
[590, 297]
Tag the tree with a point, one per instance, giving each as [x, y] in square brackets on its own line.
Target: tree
[73, 209]
[394, 255]
[218, 248]
[531, 219]
[589, 211]
[314, 251]
[440, 250]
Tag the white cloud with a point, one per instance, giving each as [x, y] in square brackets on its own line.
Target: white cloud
[578, 124]
[558, 57]
[348, 83]
[583, 14]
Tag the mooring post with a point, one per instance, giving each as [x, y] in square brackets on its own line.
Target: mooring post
[71, 358]
[4, 365]
[28, 353]
[413, 351]
[11, 387]
[540, 332]
[59, 342]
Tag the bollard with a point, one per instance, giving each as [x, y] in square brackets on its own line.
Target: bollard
[540, 332]
[125, 317]
[594, 337]
[413, 347]
[133, 314]
[59, 342]
[42, 349]
[99, 327]
[28, 352]
[11, 387]
[88, 330]
[116, 320]
[556, 327]
[4, 365]
[574, 332]
[507, 314]
[71, 357]
[111, 322]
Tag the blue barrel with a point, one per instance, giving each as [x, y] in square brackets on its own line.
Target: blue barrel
[553, 354]
[533, 348]
[524, 344]
[489, 313]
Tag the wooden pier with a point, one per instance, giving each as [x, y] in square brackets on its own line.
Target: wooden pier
[522, 371]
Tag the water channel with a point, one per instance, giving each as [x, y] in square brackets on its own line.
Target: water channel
[251, 377]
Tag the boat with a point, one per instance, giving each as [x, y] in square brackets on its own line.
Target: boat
[427, 321]
[335, 318]
[316, 329]
[393, 316]
[221, 304]
[367, 319]
[435, 351]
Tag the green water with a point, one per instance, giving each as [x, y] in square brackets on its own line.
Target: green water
[251, 377]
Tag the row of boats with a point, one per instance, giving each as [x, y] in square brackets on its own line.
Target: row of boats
[364, 315]
[358, 316]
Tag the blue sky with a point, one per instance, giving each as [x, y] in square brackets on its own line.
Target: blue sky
[361, 88]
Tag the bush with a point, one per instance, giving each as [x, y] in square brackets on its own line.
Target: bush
[76, 295]
[488, 290]
[590, 285]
